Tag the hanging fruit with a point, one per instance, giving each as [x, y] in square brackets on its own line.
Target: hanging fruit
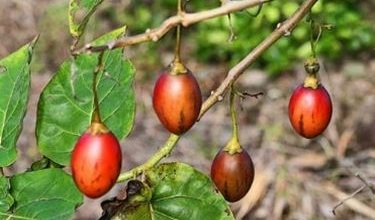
[232, 173]
[177, 98]
[96, 158]
[310, 106]
[232, 169]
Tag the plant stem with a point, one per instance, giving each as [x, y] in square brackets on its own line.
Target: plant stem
[164, 151]
[1, 171]
[96, 112]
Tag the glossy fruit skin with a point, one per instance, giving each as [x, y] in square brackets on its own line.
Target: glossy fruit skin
[96, 163]
[310, 110]
[233, 175]
[177, 101]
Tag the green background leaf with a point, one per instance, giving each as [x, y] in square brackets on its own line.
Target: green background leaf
[6, 200]
[14, 92]
[179, 192]
[44, 194]
[66, 104]
[85, 7]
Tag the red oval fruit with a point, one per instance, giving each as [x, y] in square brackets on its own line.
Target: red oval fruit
[177, 101]
[232, 174]
[310, 110]
[96, 163]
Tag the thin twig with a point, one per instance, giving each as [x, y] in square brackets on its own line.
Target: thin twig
[183, 18]
[352, 203]
[244, 95]
[354, 170]
[368, 184]
[347, 198]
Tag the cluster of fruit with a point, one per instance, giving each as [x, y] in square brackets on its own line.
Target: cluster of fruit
[177, 100]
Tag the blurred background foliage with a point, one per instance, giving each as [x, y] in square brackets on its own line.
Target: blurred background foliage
[208, 41]
[352, 35]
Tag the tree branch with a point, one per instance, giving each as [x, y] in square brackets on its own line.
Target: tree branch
[283, 29]
[183, 18]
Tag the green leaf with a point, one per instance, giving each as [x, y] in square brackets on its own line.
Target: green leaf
[44, 194]
[14, 92]
[178, 192]
[6, 200]
[66, 103]
[80, 12]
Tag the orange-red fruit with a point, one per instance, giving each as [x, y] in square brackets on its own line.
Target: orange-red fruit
[232, 174]
[96, 163]
[177, 101]
[310, 110]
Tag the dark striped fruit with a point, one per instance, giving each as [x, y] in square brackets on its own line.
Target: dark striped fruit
[233, 174]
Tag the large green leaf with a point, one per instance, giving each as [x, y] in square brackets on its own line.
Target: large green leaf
[14, 91]
[178, 192]
[44, 194]
[6, 200]
[66, 104]
[80, 12]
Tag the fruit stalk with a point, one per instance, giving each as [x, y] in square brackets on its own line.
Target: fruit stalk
[312, 68]
[177, 51]
[178, 36]
[233, 114]
[177, 66]
[312, 40]
[233, 145]
[95, 118]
